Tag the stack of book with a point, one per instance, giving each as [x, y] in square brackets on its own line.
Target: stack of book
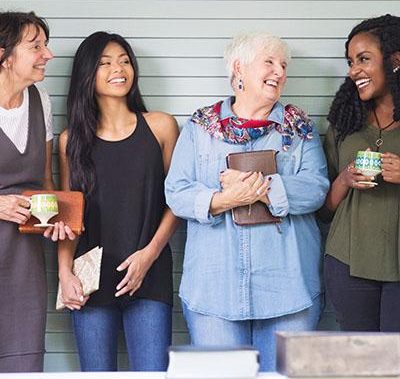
[212, 362]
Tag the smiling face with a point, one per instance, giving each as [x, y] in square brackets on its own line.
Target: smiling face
[264, 78]
[366, 67]
[114, 76]
[28, 60]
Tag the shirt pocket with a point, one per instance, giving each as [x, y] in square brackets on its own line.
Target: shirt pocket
[211, 164]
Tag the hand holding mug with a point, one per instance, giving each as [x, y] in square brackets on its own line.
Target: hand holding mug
[361, 173]
[14, 208]
[368, 162]
[59, 232]
[352, 177]
[391, 168]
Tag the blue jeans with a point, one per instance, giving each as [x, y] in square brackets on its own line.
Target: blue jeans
[147, 327]
[210, 330]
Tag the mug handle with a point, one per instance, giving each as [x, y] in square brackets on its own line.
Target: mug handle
[30, 204]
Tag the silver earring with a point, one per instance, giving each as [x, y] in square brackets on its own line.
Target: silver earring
[240, 85]
[397, 68]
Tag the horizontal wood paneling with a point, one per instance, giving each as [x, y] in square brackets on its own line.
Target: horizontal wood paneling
[219, 87]
[186, 105]
[170, 28]
[137, 9]
[211, 67]
[203, 47]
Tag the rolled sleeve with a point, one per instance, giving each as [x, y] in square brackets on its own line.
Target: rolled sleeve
[202, 207]
[306, 188]
[187, 197]
[279, 203]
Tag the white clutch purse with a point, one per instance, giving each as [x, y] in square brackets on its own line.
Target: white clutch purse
[87, 269]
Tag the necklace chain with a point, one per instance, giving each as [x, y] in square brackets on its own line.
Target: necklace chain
[379, 141]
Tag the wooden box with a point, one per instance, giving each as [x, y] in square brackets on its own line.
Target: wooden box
[329, 354]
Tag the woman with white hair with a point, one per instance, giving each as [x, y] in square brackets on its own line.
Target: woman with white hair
[241, 283]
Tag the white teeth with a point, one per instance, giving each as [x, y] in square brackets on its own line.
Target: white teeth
[271, 83]
[362, 82]
[117, 80]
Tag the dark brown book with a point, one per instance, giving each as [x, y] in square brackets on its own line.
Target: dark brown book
[71, 206]
[257, 161]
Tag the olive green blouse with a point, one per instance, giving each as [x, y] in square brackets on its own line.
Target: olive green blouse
[365, 229]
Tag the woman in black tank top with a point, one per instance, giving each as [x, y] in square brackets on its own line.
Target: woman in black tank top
[117, 153]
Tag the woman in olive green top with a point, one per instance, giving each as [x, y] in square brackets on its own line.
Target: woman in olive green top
[362, 268]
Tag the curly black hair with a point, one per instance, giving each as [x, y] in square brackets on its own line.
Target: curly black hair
[348, 113]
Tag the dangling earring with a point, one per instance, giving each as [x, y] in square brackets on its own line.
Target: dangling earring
[240, 85]
[5, 65]
[397, 68]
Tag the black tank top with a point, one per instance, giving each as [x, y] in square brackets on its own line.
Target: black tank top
[124, 212]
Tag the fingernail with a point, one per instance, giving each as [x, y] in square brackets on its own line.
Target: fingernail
[269, 177]
[81, 298]
[118, 287]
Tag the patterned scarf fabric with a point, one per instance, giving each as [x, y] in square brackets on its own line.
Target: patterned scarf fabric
[237, 130]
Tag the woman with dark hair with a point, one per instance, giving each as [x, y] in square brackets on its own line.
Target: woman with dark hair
[118, 153]
[26, 138]
[362, 262]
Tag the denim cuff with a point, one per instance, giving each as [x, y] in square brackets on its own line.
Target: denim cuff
[202, 207]
[279, 204]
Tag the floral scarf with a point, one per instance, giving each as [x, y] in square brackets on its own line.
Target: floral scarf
[237, 130]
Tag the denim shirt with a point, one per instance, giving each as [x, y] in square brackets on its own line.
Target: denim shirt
[248, 272]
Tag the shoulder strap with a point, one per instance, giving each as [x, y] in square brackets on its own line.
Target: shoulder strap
[36, 116]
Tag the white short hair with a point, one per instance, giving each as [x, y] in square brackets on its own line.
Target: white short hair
[244, 48]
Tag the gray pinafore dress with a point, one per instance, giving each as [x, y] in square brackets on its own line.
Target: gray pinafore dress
[23, 290]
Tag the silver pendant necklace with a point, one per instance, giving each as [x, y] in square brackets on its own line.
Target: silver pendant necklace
[379, 141]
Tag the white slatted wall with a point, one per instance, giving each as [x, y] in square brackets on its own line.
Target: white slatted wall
[179, 46]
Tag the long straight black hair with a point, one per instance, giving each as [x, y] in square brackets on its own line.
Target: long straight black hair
[82, 108]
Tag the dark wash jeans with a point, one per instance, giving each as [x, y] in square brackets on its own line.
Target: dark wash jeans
[361, 304]
[147, 329]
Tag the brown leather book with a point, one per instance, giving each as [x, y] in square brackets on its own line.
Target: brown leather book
[258, 161]
[71, 206]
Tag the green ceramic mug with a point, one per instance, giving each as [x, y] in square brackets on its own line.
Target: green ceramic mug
[368, 162]
[44, 206]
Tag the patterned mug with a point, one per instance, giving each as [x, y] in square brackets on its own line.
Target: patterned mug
[44, 206]
[368, 162]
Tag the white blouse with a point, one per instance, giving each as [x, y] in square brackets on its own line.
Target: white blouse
[14, 122]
